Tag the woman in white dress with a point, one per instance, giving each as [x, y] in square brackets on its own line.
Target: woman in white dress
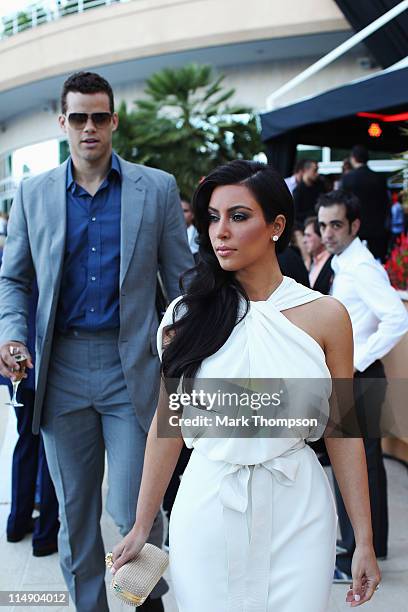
[253, 528]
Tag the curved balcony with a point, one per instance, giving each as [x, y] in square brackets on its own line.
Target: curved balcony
[126, 41]
[39, 13]
[114, 32]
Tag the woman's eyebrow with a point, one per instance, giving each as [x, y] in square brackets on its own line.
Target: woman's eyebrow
[232, 207]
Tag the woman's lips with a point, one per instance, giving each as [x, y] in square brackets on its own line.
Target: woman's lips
[225, 251]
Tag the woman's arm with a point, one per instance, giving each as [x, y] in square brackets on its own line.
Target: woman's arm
[348, 459]
[160, 460]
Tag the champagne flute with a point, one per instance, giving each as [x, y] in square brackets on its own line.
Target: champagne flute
[19, 375]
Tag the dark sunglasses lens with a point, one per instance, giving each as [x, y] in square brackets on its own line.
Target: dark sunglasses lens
[77, 120]
[101, 119]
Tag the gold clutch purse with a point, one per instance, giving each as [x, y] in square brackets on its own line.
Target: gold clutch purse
[135, 580]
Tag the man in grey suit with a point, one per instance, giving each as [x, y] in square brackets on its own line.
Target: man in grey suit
[93, 232]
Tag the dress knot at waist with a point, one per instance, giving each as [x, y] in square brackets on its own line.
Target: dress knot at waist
[249, 564]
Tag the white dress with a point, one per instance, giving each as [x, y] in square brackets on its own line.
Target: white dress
[253, 527]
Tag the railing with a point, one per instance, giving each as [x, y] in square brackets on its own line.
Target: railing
[8, 188]
[43, 12]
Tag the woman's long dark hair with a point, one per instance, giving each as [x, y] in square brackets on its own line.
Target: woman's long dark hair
[209, 308]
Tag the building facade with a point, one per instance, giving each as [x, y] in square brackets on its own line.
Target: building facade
[257, 46]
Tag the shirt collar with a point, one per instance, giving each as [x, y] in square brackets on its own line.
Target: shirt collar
[349, 253]
[114, 169]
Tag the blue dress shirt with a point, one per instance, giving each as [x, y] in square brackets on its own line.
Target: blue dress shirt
[89, 295]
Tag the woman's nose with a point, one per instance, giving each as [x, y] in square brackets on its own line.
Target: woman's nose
[222, 229]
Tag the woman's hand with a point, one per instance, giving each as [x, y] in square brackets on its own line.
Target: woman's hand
[127, 549]
[366, 576]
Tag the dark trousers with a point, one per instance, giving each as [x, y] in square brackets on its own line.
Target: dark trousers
[369, 397]
[29, 467]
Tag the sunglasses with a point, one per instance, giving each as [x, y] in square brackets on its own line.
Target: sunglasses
[79, 120]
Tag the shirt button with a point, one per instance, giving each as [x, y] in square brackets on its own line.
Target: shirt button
[92, 309]
[93, 218]
[93, 249]
[93, 278]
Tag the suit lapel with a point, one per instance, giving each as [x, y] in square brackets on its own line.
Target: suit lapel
[132, 203]
[55, 197]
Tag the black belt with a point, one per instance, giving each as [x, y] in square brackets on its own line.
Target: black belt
[86, 334]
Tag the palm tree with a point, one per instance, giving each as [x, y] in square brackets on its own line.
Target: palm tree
[186, 125]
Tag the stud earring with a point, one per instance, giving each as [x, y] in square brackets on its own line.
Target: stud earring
[275, 238]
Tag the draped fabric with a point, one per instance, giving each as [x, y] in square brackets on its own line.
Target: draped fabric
[250, 510]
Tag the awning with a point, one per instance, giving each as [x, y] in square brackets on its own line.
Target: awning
[369, 111]
[390, 43]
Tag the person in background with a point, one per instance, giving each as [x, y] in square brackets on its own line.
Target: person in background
[293, 181]
[371, 190]
[307, 192]
[328, 180]
[291, 262]
[3, 224]
[397, 220]
[320, 279]
[29, 466]
[191, 228]
[379, 321]
[346, 167]
[30, 474]
[320, 270]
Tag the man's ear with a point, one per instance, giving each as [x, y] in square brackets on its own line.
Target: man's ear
[115, 122]
[355, 226]
[62, 123]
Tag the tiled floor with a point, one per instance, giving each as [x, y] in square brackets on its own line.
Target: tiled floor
[19, 570]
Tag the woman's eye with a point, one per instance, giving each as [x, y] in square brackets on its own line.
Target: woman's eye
[213, 218]
[239, 217]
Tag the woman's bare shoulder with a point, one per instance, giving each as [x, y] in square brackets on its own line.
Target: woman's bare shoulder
[332, 321]
[336, 336]
[330, 310]
[323, 312]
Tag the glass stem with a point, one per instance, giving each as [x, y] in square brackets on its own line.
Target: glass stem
[15, 384]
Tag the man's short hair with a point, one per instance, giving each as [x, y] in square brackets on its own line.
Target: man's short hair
[360, 154]
[308, 163]
[339, 196]
[86, 83]
[299, 166]
[313, 221]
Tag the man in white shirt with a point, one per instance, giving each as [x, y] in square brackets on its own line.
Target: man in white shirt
[379, 321]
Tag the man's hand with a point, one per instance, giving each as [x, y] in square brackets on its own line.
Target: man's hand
[8, 364]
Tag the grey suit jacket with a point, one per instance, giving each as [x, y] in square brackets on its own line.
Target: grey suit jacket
[153, 233]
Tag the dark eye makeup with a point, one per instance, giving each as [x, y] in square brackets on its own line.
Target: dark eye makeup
[234, 215]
